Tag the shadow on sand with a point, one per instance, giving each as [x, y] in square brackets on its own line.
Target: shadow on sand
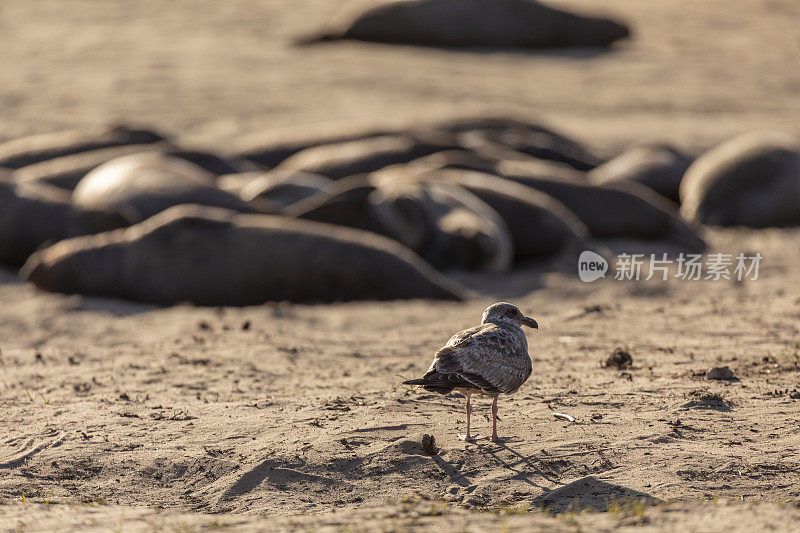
[521, 474]
[593, 494]
[574, 53]
[585, 493]
[111, 306]
[518, 282]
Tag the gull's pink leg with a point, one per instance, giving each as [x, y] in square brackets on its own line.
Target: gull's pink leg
[495, 438]
[468, 437]
[469, 413]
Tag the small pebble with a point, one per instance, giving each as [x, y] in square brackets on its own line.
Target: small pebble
[720, 373]
[619, 358]
[429, 444]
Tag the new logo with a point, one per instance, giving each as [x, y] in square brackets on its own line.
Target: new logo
[591, 266]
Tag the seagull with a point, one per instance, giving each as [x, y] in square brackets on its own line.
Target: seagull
[489, 360]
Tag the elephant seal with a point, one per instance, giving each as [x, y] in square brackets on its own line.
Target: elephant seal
[24, 151]
[638, 213]
[485, 123]
[445, 224]
[214, 163]
[66, 171]
[519, 143]
[339, 160]
[32, 214]
[622, 210]
[455, 159]
[469, 160]
[751, 180]
[141, 185]
[343, 203]
[502, 138]
[275, 190]
[210, 256]
[540, 168]
[271, 147]
[472, 23]
[657, 166]
[234, 183]
[539, 225]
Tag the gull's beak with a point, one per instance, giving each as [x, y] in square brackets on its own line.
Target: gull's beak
[531, 323]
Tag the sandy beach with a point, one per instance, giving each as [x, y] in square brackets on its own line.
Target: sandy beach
[125, 416]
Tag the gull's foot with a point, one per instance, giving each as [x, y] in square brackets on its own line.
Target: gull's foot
[471, 438]
[503, 440]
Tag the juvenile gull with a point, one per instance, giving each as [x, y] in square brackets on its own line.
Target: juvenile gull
[490, 359]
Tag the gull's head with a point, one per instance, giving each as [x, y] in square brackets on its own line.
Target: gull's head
[506, 313]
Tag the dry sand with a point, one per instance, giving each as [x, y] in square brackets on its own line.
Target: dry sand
[287, 409]
[126, 416]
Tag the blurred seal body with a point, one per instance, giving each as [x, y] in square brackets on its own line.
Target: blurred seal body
[540, 226]
[275, 190]
[619, 210]
[752, 180]
[23, 151]
[141, 185]
[210, 256]
[446, 224]
[657, 166]
[340, 160]
[474, 23]
[32, 214]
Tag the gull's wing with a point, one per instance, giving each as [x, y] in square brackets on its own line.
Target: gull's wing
[486, 357]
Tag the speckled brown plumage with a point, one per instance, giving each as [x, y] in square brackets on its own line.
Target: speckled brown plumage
[489, 359]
